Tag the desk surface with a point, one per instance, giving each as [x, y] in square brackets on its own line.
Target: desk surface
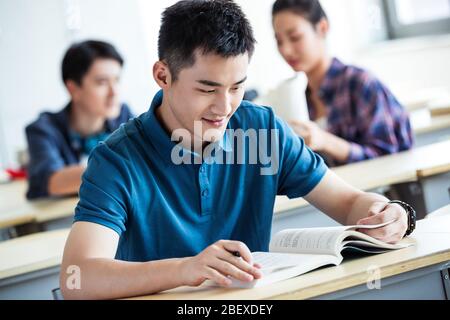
[423, 122]
[13, 205]
[31, 253]
[15, 209]
[431, 246]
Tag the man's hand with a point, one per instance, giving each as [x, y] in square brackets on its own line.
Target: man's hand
[313, 135]
[381, 212]
[217, 262]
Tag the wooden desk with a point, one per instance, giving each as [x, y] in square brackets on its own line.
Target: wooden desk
[15, 209]
[424, 122]
[29, 265]
[429, 129]
[435, 184]
[402, 272]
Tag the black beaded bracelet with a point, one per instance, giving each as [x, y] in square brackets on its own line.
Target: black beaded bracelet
[410, 212]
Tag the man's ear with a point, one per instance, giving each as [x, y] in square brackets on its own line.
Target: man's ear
[73, 88]
[322, 27]
[161, 74]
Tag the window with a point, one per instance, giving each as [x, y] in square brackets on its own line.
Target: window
[409, 18]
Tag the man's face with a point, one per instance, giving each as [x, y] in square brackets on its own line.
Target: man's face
[209, 93]
[98, 94]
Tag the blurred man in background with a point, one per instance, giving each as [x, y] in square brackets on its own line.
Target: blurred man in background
[59, 143]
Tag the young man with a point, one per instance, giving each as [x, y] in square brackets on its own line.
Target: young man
[147, 222]
[58, 142]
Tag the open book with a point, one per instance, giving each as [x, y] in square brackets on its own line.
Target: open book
[293, 252]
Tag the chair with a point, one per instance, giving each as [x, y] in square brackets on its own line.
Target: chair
[57, 295]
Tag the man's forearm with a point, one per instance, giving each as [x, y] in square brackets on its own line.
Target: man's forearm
[67, 181]
[361, 205]
[112, 279]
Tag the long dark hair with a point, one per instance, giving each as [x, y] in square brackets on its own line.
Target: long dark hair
[309, 9]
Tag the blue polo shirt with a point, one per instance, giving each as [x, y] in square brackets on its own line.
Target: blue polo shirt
[162, 209]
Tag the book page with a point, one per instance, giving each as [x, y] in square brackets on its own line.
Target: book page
[368, 226]
[309, 240]
[274, 261]
[314, 240]
[281, 266]
[355, 238]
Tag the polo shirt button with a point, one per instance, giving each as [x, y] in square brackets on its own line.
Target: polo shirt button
[202, 169]
[205, 193]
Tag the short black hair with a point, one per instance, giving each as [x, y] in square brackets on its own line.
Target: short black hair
[211, 26]
[309, 9]
[80, 56]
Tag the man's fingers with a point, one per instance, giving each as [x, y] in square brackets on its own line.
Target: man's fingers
[241, 264]
[391, 233]
[237, 247]
[387, 215]
[384, 233]
[229, 269]
[394, 238]
[217, 277]
[377, 208]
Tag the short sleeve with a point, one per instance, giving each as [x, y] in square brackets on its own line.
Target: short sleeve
[301, 169]
[106, 190]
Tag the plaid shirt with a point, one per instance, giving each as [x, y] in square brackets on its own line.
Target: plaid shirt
[361, 110]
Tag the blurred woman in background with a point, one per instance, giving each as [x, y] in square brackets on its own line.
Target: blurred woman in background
[355, 116]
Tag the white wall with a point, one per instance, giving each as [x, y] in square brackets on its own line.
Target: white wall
[413, 69]
[34, 36]
[33, 39]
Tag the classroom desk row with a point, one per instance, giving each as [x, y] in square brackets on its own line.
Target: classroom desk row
[428, 164]
[30, 266]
